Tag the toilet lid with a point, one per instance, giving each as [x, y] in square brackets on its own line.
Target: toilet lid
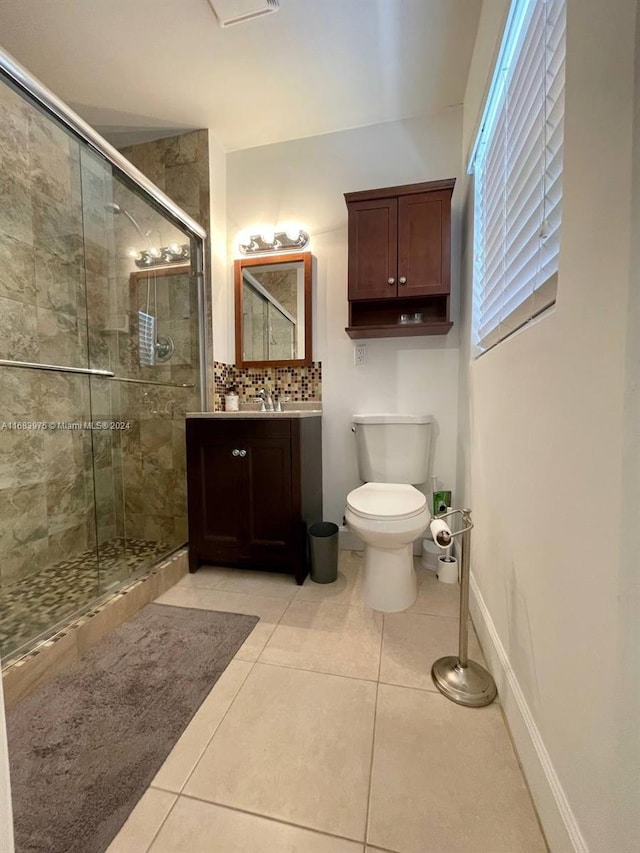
[388, 500]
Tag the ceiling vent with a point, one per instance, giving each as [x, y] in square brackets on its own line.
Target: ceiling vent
[229, 12]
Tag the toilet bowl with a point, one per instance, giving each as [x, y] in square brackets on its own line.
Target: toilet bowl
[388, 517]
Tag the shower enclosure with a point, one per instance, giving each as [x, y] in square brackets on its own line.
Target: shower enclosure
[101, 356]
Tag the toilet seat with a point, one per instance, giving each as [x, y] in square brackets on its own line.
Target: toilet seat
[386, 501]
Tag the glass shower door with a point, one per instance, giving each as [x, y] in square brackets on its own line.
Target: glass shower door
[143, 326]
[48, 561]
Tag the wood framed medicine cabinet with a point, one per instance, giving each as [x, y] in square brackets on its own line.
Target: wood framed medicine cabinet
[273, 310]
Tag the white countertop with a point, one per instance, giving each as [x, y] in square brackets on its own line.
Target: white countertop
[253, 415]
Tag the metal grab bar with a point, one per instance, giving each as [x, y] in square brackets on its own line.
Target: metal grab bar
[60, 368]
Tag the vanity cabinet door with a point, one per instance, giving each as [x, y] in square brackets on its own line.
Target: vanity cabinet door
[269, 493]
[216, 486]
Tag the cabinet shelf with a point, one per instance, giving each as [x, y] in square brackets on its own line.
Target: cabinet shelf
[399, 330]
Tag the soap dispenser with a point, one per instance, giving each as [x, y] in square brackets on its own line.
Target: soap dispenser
[231, 399]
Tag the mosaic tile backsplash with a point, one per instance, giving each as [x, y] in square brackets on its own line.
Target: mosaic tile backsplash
[296, 383]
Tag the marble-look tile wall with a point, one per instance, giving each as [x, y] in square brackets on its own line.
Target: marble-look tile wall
[297, 383]
[46, 488]
[46, 497]
[179, 165]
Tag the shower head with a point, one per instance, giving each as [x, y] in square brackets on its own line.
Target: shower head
[116, 209]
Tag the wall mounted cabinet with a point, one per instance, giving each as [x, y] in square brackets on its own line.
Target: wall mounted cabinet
[400, 260]
[254, 486]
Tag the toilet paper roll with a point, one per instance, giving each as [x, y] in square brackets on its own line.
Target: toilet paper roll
[441, 533]
[447, 571]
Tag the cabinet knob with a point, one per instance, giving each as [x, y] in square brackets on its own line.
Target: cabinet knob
[235, 452]
[391, 280]
[403, 279]
[242, 453]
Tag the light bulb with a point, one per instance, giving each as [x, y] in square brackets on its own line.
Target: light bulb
[293, 233]
[132, 252]
[267, 236]
[155, 252]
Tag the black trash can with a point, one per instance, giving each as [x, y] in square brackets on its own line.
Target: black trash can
[323, 548]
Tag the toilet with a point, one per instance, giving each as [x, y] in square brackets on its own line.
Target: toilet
[387, 512]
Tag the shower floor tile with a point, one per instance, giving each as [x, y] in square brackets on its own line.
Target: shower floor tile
[34, 604]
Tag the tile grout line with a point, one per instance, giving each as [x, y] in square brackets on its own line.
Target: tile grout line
[162, 823]
[215, 731]
[316, 671]
[373, 739]
[321, 832]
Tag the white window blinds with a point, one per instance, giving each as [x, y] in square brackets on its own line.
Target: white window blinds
[517, 163]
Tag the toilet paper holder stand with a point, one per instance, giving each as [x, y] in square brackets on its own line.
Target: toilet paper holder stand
[462, 680]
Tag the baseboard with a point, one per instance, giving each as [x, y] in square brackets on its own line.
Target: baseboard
[558, 820]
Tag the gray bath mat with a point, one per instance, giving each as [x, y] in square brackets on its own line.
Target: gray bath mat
[85, 746]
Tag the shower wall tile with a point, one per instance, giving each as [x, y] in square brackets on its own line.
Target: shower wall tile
[182, 149]
[66, 502]
[17, 270]
[182, 185]
[21, 458]
[59, 284]
[23, 517]
[27, 560]
[70, 541]
[16, 211]
[106, 448]
[159, 528]
[18, 331]
[20, 397]
[14, 131]
[62, 338]
[156, 439]
[64, 452]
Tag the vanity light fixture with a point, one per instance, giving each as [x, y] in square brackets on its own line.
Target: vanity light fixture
[175, 253]
[293, 239]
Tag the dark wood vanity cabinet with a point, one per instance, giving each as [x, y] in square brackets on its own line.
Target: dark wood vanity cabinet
[254, 487]
[400, 259]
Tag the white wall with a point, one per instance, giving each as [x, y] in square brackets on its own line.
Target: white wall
[545, 428]
[304, 181]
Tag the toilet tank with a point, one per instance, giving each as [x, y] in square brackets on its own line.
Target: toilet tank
[393, 448]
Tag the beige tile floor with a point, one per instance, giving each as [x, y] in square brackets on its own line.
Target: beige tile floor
[325, 734]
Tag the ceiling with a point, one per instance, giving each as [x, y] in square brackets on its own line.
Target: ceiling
[140, 69]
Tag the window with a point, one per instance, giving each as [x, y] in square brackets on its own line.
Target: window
[517, 163]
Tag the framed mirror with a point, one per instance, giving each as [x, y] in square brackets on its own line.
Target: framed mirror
[273, 310]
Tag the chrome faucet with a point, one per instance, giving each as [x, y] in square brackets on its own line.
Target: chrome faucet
[267, 400]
